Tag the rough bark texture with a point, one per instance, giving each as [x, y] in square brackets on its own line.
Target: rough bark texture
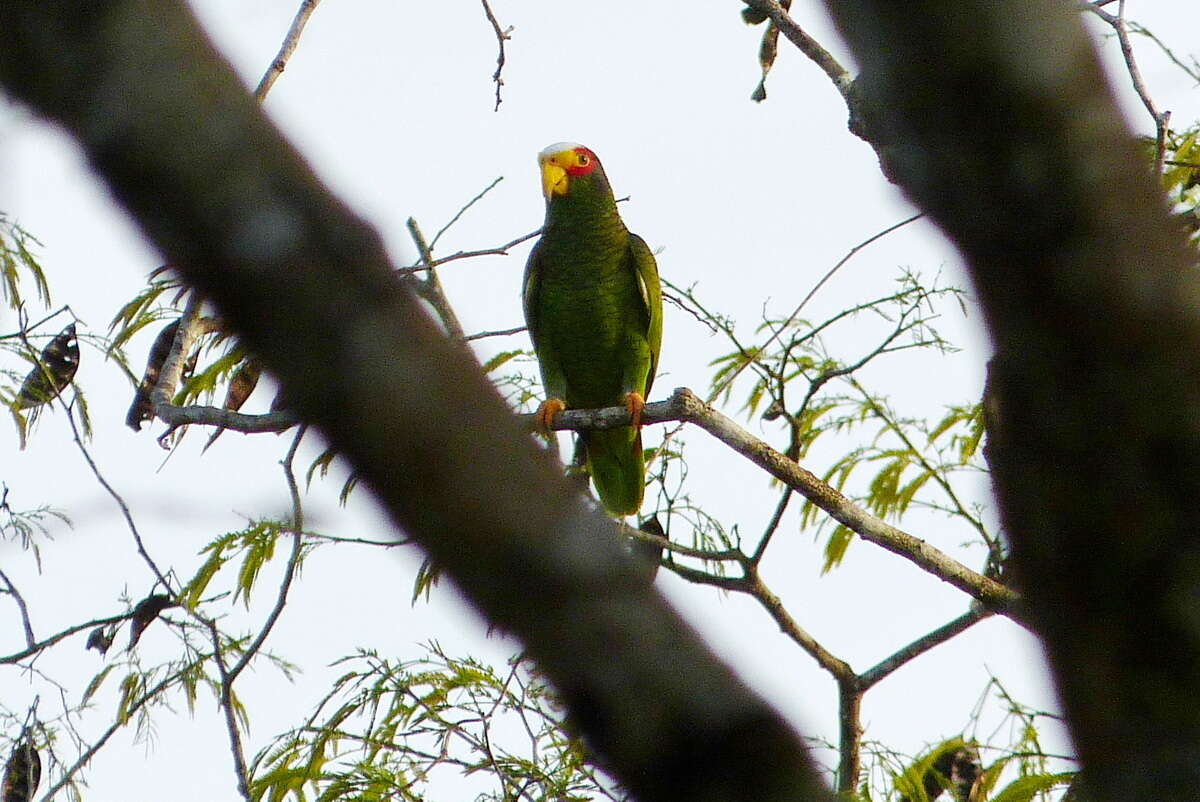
[997, 120]
[306, 284]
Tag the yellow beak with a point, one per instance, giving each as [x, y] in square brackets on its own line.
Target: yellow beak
[554, 178]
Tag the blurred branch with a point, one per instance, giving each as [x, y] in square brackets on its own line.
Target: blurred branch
[1012, 142]
[408, 407]
[227, 419]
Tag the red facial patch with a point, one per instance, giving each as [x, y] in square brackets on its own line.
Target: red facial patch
[585, 162]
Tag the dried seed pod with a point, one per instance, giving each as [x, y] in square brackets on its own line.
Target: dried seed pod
[142, 408]
[100, 639]
[55, 369]
[22, 772]
[144, 614]
[242, 384]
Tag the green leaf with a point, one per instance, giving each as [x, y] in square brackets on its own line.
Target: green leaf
[835, 548]
[96, 682]
[1023, 789]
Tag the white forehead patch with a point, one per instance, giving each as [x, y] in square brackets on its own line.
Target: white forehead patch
[557, 147]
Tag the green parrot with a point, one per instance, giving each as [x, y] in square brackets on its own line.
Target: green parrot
[593, 305]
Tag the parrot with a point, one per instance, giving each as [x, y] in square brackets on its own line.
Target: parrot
[593, 306]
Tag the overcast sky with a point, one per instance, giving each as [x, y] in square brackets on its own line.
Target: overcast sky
[393, 105]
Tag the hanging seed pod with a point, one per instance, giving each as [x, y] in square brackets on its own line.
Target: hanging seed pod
[54, 371]
[23, 772]
[142, 408]
[144, 614]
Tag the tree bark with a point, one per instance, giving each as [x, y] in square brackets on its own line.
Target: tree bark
[997, 120]
[307, 285]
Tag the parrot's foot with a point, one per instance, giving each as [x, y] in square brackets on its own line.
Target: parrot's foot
[546, 412]
[635, 403]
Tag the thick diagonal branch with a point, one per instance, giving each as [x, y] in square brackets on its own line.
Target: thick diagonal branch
[307, 285]
[1000, 124]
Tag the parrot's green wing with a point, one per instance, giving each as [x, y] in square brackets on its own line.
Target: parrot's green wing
[651, 293]
[531, 292]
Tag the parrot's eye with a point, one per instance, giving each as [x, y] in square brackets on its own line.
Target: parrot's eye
[583, 159]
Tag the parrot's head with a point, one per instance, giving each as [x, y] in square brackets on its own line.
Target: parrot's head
[571, 170]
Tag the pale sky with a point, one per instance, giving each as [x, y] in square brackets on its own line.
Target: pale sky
[392, 103]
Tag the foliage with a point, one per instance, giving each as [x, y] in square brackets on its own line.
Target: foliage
[388, 730]
[392, 728]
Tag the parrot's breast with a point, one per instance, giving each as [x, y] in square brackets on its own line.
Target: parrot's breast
[590, 309]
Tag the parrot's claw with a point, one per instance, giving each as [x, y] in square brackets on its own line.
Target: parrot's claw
[546, 412]
[635, 403]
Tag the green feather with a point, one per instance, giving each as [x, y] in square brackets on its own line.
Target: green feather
[593, 305]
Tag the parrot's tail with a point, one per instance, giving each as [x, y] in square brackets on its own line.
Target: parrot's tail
[615, 462]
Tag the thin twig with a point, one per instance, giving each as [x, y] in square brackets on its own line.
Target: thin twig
[34, 648]
[457, 215]
[227, 708]
[1161, 119]
[290, 41]
[828, 275]
[500, 250]
[502, 36]
[772, 526]
[1192, 70]
[95, 747]
[289, 573]
[500, 333]
[116, 497]
[30, 640]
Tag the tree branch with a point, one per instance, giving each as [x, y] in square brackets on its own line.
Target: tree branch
[684, 405]
[1012, 142]
[187, 151]
[290, 41]
[807, 45]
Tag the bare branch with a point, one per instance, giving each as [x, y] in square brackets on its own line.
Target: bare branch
[923, 644]
[684, 405]
[501, 333]
[34, 648]
[430, 288]
[274, 422]
[502, 36]
[1117, 22]
[289, 572]
[20, 600]
[820, 283]
[457, 216]
[230, 714]
[409, 409]
[499, 250]
[290, 41]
